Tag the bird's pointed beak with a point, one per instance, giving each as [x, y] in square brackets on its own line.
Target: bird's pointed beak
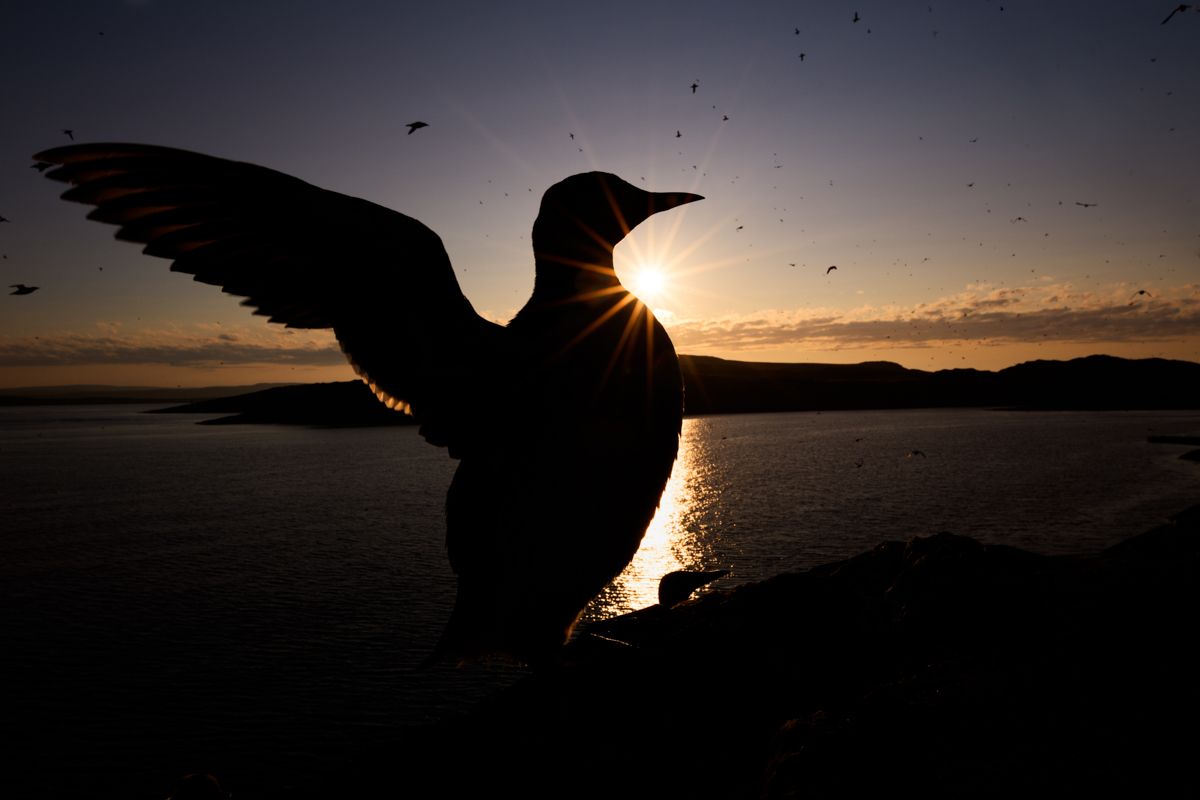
[662, 201]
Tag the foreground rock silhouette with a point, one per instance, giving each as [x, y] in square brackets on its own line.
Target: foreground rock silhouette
[941, 667]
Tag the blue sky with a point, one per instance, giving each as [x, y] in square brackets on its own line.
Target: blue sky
[935, 152]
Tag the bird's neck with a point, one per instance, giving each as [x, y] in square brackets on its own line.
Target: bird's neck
[568, 268]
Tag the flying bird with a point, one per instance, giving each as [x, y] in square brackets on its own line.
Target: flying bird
[23, 289]
[546, 507]
[1142, 292]
[856, 17]
[678, 134]
[416, 126]
[695, 86]
[802, 55]
[5, 219]
[69, 133]
[1176, 10]
[1085, 205]
[831, 269]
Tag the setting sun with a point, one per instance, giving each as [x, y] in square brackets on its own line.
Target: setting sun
[648, 283]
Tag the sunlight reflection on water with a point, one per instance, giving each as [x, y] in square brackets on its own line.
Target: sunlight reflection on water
[675, 538]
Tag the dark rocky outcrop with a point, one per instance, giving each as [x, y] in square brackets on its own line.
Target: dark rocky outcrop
[940, 667]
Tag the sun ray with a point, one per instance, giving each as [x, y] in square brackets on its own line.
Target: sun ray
[596, 323]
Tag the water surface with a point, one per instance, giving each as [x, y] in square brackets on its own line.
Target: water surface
[262, 596]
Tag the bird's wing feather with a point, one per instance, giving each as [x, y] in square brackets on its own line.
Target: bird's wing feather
[307, 258]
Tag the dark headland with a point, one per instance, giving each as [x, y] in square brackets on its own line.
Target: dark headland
[717, 386]
[940, 667]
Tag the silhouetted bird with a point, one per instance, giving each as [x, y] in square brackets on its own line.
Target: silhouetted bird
[1176, 10]
[1142, 292]
[22, 288]
[695, 86]
[416, 126]
[69, 133]
[856, 17]
[802, 56]
[4, 219]
[831, 269]
[566, 422]
[1085, 205]
[914, 453]
[678, 134]
[675, 587]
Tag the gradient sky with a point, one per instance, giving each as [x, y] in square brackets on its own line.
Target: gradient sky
[936, 152]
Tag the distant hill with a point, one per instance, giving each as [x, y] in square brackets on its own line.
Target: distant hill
[88, 394]
[718, 386]
[715, 386]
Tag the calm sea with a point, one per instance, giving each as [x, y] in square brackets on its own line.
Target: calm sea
[259, 598]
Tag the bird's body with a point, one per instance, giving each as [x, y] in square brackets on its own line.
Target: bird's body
[416, 126]
[566, 422]
[22, 288]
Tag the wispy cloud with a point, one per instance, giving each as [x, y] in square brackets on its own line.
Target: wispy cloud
[196, 347]
[979, 314]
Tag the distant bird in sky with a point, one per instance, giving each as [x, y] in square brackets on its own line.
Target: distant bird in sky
[23, 289]
[914, 453]
[69, 133]
[695, 86]
[1142, 292]
[1176, 10]
[545, 509]
[802, 56]
[856, 17]
[1086, 205]
[675, 587]
[572, 135]
[831, 269]
[5, 219]
[678, 134]
[797, 32]
[416, 126]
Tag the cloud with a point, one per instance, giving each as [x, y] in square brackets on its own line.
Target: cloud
[177, 348]
[980, 314]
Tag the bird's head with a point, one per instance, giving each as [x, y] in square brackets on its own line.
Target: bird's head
[583, 217]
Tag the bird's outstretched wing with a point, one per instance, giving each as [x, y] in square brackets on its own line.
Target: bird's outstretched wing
[307, 258]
